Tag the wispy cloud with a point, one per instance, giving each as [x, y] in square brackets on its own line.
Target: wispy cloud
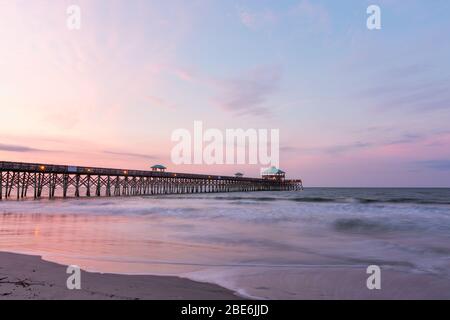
[440, 165]
[185, 74]
[409, 87]
[310, 15]
[160, 102]
[313, 14]
[348, 147]
[256, 19]
[130, 154]
[409, 70]
[332, 150]
[431, 97]
[249, 92]
[403, 139]
[18, 148]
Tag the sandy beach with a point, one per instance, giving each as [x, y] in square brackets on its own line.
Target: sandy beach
[30, 277]
[26, 277]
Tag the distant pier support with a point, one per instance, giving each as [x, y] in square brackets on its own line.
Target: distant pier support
[44, 180]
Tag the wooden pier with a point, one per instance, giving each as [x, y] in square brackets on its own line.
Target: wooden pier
[22, 180]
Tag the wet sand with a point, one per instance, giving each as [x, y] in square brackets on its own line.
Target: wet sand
[25, 277]
[30, 277]
[339, 283]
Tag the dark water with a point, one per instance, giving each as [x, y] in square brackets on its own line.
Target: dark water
[245, 241]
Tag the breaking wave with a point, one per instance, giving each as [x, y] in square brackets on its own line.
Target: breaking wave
[358, 225]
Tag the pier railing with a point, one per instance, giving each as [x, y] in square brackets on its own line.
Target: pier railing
[18, 179]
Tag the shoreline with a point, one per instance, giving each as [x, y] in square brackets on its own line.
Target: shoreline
[29, 277]
[249, 246]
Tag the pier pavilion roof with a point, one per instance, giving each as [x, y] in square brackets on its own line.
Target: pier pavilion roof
[159, 166]
[273, 170]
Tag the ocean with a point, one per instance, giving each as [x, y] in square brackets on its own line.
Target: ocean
[268, 245]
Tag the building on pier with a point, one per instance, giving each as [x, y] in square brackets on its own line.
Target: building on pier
[159, 167]
[274, 173]
[238, 175]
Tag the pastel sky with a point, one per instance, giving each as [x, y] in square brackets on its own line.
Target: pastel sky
[354, 107]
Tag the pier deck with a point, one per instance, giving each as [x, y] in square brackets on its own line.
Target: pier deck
[46, 180]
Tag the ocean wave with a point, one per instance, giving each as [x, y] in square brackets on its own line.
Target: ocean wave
[232, 198]
[372, 201]
[315, 199]
[325, 199]
[360, 225]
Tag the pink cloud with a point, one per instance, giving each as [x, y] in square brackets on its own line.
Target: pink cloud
[161, 103]
[184, 75]
[254, 20]
[313, 14]
[248, 92]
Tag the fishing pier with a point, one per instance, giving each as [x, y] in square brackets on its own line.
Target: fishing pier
[30, 180]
